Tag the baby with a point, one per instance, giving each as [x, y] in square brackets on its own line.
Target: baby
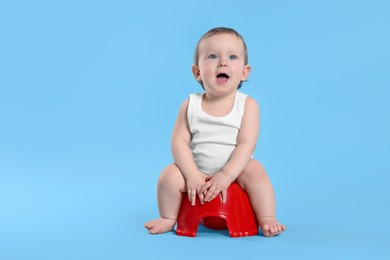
[215, 136]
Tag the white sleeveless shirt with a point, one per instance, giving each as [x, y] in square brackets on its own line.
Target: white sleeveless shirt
[213, 139]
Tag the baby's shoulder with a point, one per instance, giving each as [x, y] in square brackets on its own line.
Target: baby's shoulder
[251, 104]
[184, 104]
[251, 100]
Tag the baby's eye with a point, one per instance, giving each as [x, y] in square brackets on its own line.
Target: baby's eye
[233, 57]
[213, 56]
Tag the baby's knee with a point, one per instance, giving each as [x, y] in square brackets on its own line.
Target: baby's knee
[170, 175]
[255, 170]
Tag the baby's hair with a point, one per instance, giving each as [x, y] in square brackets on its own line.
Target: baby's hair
[215, 31]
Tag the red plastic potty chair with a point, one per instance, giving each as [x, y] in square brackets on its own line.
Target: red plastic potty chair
[236, 214]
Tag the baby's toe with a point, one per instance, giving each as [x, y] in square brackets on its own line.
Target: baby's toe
[266, 228]
[273, 229]
[278, 228]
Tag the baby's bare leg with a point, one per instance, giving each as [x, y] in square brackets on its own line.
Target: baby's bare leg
[170, 185]
[255, 182]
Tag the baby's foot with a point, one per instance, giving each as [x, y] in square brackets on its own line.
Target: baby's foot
[160, 225]
[270, 226]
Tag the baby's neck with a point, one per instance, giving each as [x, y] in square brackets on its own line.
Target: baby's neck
[218, 106]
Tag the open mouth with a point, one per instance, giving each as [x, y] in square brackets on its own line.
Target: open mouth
[222, 77]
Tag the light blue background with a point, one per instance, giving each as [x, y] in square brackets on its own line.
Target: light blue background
[89, 92]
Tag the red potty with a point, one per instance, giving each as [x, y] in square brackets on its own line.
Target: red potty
[236, 214]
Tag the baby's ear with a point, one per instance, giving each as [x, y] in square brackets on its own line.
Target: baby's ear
[196, 72]
[245, 73]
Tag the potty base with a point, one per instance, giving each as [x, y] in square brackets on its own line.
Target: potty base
[236, 215]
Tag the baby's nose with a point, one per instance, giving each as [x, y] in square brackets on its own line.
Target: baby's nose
[222, 63]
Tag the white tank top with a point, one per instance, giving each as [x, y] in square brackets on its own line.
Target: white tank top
[213, 139]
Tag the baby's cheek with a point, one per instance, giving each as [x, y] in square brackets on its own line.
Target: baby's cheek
[207, 73]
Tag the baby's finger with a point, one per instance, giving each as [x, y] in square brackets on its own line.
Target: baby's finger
[193, 197]
[214, 195]
[201, 198]
[224, 196]
[211, 194]
[207, 194]
[205, 187]
[191, 194]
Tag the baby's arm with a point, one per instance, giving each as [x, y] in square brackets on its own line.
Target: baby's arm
[246, 140]
[246, 143]
[183, 157]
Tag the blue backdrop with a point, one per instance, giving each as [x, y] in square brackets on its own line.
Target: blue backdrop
[89, 93]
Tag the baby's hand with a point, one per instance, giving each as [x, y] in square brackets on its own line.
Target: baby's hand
[216, 183]
[194, 184]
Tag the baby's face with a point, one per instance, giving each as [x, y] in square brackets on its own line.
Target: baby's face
[221, 65]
